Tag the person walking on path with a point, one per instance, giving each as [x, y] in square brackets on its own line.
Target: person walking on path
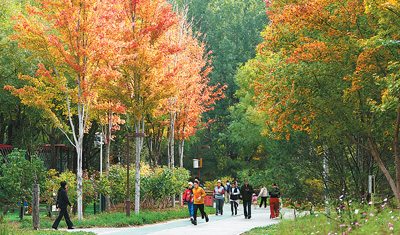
[234, 197]
[62, 203]
[188, 198]
[274, 201]
[199, 195]
[228, 188]
[263, 194]
[247, 192]
[219, 198]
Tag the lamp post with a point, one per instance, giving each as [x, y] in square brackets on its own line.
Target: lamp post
[99, 141]
[198, 157]
[128, 201]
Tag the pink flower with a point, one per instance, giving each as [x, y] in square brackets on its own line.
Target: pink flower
[364, 213]
[390, 224]
[342, 225]
[370, 214]
[358, 224]
[348, 229]
[391, 228]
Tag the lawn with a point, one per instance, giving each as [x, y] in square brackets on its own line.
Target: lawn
[117, 219]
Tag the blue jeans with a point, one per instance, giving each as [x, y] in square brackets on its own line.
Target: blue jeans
[247, 207]
[190, 207]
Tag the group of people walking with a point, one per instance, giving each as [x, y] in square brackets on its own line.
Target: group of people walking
[194, 196]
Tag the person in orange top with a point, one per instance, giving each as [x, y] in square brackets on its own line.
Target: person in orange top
[199, 195]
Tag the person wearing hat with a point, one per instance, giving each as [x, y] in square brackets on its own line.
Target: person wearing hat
[274, 201]
[62, 203]
[188, 198]
[247, 193]
[219, 192]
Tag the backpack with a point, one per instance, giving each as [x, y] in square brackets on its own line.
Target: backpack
[187, 196]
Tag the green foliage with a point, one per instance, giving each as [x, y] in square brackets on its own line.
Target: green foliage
[210, 185]
[164, 182]
[17, 175]
[156, 184]
[52, 184]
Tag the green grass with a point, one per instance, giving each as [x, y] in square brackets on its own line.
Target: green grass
[45, 232]
[366, 221]
[269, 230]
[118, 219]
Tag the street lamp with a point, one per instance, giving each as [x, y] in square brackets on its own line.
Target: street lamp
[99, 142]
[128, 201]
[199, 162]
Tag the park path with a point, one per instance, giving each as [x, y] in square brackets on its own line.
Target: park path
[224, 225]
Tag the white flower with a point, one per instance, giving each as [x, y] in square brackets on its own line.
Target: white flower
[356, 211]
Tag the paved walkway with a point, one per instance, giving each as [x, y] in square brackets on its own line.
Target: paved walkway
[224, 225]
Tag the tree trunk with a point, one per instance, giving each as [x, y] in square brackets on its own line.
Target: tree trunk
[181, 145]
[396, 151]
[139, 128]
[108, 146]
[384, 170]
[35, 206]
[172, 140]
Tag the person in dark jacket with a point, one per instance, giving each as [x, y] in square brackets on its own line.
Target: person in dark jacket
[62, 203]
[234, 198]
[274, 201]
[247, 193]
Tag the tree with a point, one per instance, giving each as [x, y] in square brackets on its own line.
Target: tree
[69, 39]
[328, 78]
[231, 31]
[145, 79]
[16, 177]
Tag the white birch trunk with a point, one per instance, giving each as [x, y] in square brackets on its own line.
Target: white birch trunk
[139, 128]
[108, 146]
[181, 145]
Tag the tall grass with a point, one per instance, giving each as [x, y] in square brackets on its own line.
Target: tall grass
[4, 227]
[366, 219]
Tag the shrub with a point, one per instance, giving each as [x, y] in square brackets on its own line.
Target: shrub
[17, 174]
[156, 188]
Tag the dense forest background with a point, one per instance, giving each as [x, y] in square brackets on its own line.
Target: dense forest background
[241, 146]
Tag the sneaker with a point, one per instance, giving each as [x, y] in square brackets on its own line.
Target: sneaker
[248, 217]
[245, 216]
[232, 213]
[55, 228]
[71, 228]
[194, 222]
[216, 213]
[202, 216]
[221, 212]
[191, 218]
[207, 219]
